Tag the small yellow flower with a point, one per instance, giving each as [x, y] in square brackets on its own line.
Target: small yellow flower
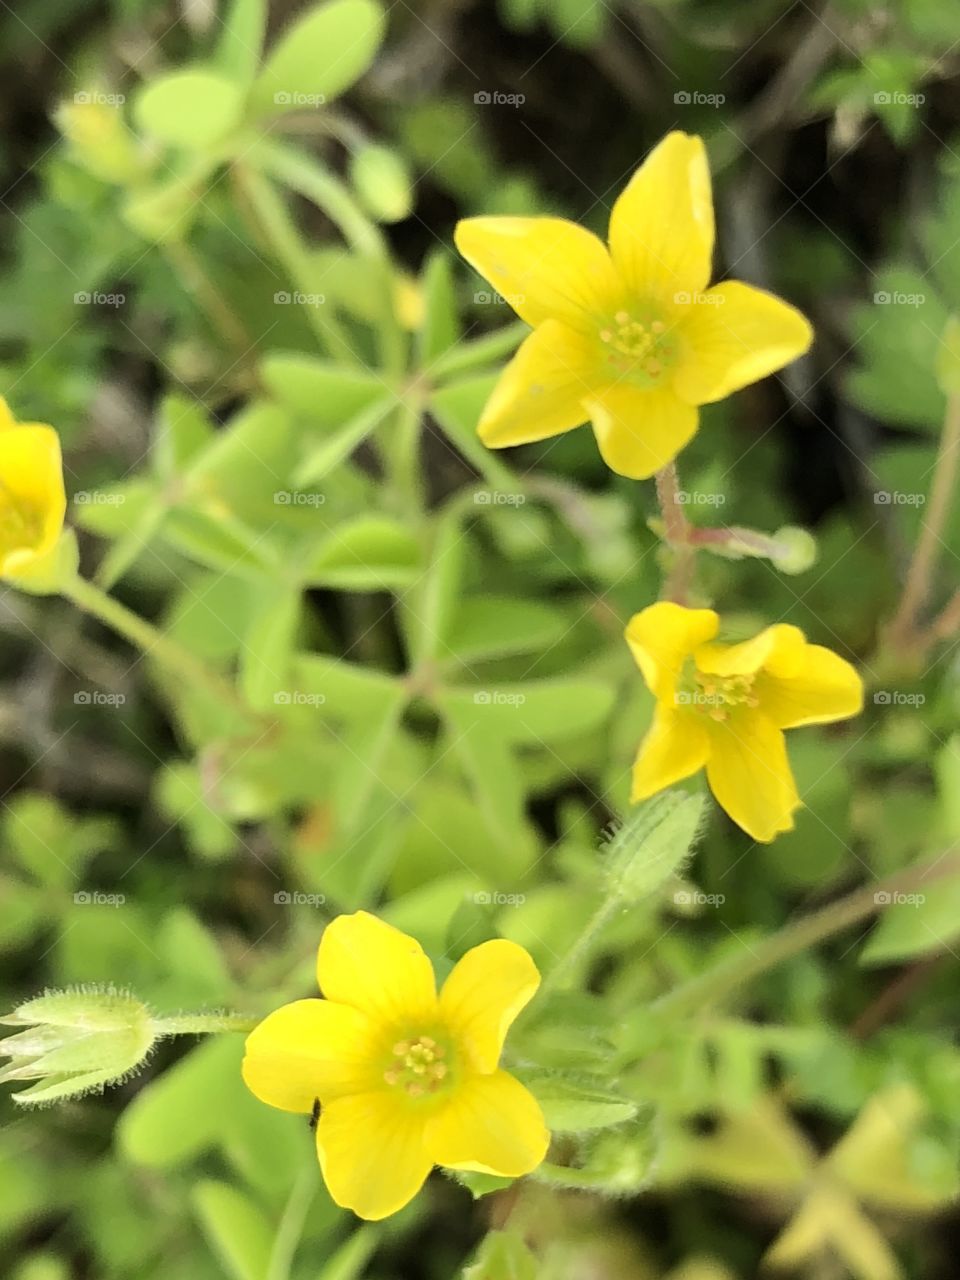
[406, 1078]
[724, 707]
[32, 498]
[631, 337]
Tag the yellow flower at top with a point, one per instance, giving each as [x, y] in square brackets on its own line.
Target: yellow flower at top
[630, 337]
[406, 1078]
[724, 707]
[32, 498]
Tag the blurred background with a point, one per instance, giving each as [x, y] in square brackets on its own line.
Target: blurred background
[815, 1127]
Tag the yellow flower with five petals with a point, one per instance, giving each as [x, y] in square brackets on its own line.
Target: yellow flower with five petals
[32, 498]
[724, 707]
[406, 1077]
[630, 337]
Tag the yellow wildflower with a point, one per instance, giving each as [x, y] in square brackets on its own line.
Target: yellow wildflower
[406, 1079]
[631, 337]
[724, 707]
[32, 498]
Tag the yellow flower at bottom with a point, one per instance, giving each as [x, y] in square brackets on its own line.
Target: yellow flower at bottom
[724, 707]
[32, 499]
[406, 1078]
[627, 334]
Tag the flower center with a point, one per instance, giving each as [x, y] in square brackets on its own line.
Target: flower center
[419, 1066]
[20, 524]
[716, 696]
[638, 348]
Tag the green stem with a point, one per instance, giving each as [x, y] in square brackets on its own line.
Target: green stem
[278, 229]
[489, 349]
[153, 642]
[403, 454]
[604, 913]
[716, 984]
[304, 174]
[290, 1227]
[202, 1024]
[917, 586]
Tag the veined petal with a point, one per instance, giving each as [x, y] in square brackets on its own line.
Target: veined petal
[367, 963]
[824, 688]
[309, 1049]
[661, 227]
[750, 775]
[492, 1124]
[777, 649]
[545, 268]
[485, 991]
[372, 1153]
[661, 638]
[734, 335]
[541, 391]
[639, 429]
[676, 746]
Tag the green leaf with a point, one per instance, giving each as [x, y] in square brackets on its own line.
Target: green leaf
[383, 182]
[430, 616]
[349, 691]
[571, 1107]
[319, 391]
[368, 553]
[184, 1111]
[535, 711]
[502, 1255]
[194, 108]
[441, 323]
[491, 770]
[241, 40]
[948, 358]
[495, 626]
[915, 924]
[236, 1229]
[268, 646]
[362, 751]
[331, 452]
[320, 55]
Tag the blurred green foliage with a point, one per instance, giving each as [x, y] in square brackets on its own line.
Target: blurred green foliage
[229, 282]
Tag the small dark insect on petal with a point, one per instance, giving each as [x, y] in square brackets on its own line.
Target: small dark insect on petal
[315, 1114]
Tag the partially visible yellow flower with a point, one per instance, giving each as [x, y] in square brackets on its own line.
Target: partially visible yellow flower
[724, 707]
[32, 498]
[406, 1078]
[632, 337]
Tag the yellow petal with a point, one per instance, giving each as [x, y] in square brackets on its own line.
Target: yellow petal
[367, 963]
[638, 429]
[492, 1124]
[7, 420]
[824, 688]
[541, 391]
[734, 335]
[372, 1153]
[661, 227]
[309, 1049]
[661, 638]
[777, 649]
[676, 746]
[31, 471]
[545, 268]
[483, 994]
[750, 775]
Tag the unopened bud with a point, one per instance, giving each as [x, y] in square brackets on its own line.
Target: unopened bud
[653, 844]
[75, 1042]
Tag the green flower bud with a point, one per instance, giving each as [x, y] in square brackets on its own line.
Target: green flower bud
[796, 549]
[99, 139]
[75, 1042]
[382, 182]
[653, 844]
